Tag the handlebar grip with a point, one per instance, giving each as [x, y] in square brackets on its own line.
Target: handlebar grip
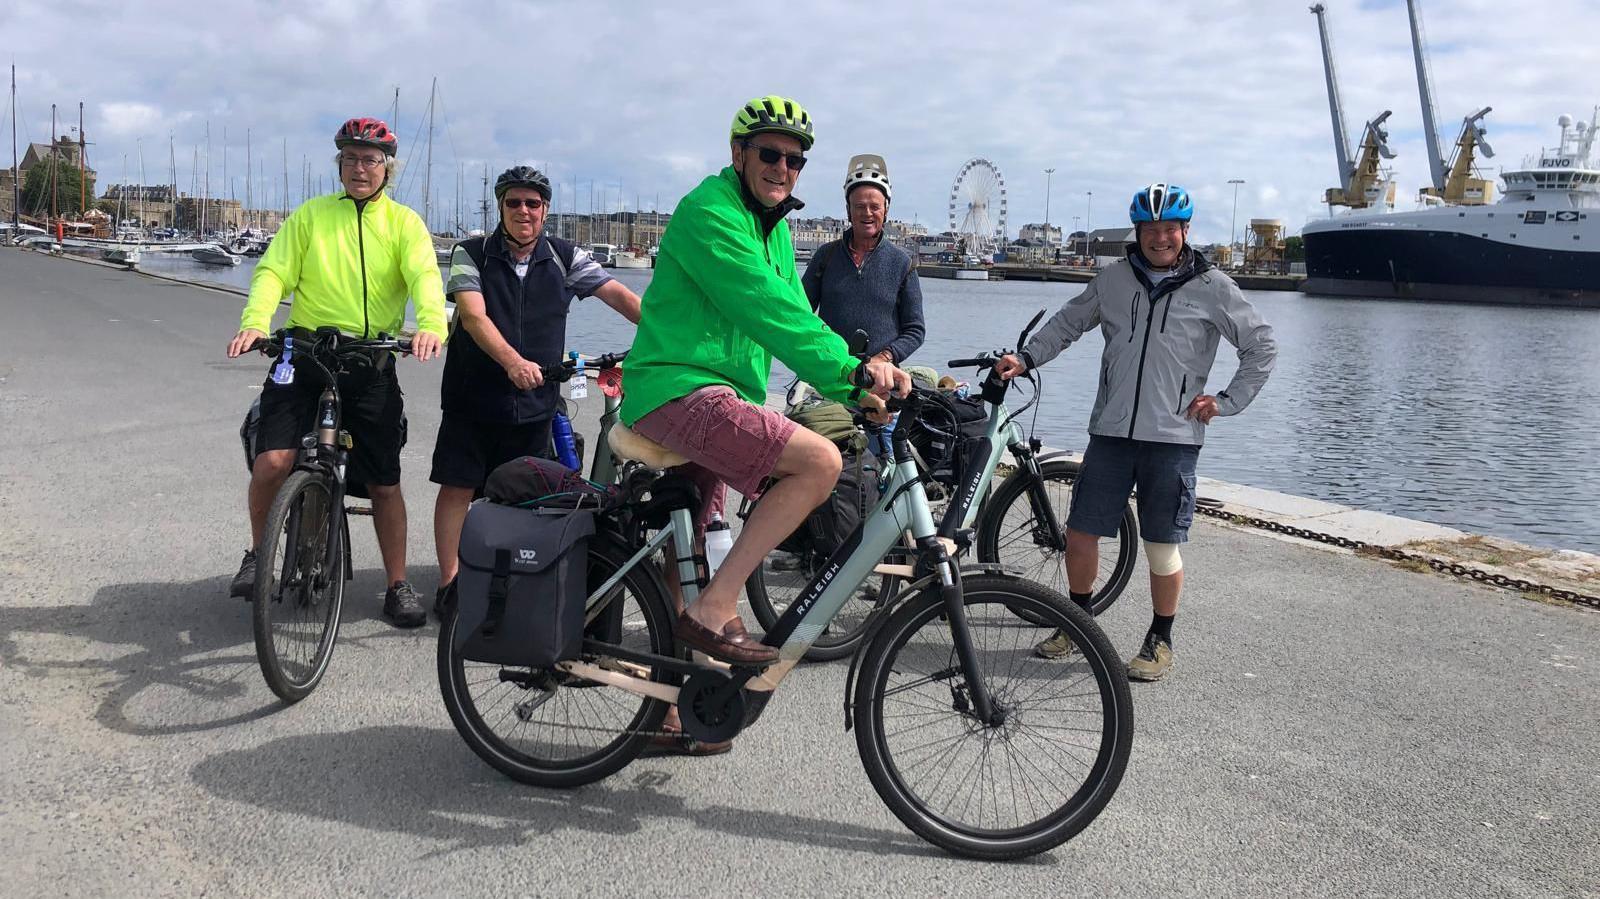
[404, 346]
[975, 362]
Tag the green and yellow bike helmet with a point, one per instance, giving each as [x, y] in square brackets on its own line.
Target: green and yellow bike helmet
[773, 114]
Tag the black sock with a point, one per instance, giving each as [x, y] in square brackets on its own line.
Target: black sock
[1161, 626]
[1083, 600]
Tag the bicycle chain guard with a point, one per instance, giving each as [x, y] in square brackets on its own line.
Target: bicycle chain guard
[701, 716]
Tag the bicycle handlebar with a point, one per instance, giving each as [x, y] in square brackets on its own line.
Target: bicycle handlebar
[273, 346]
[569, 367]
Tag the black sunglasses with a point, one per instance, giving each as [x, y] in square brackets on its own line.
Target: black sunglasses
[518, 203]
[771, 156]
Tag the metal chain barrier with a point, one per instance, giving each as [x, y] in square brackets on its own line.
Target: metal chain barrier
[1400, 555]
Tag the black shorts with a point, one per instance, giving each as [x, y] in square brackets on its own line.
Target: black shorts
[372, 410]
[468, 450]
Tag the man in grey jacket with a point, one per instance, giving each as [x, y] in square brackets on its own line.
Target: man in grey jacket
[1161, 311]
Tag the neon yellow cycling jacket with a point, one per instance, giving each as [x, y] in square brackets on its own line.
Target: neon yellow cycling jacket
[348, 270]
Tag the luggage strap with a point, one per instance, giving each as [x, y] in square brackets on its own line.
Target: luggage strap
[499, 588]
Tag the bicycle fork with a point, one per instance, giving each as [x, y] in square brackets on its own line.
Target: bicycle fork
[982, 707]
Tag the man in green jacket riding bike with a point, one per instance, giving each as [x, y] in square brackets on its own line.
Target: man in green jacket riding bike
[725, 299]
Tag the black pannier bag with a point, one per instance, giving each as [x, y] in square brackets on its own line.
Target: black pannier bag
[523, 583]
[945, 449]
[829, 524]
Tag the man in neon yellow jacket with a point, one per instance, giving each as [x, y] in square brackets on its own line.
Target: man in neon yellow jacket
[350, 260]
[724, 300]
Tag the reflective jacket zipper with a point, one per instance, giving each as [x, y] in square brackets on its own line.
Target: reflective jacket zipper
[361, 250]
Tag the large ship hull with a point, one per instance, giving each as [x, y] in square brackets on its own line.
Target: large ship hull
[1373, 259]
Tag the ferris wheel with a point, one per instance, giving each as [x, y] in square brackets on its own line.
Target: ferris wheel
[978, 206]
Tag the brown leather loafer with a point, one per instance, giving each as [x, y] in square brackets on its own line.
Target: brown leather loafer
[734, 646]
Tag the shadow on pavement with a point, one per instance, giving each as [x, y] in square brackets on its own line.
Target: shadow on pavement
[460, 803]
[170, 658]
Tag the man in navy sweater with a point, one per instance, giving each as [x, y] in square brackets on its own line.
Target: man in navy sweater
[859, 282]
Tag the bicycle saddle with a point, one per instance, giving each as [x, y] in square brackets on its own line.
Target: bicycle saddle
[631, 447]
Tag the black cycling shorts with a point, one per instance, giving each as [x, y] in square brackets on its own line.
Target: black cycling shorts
[372, 409]
[467, 450]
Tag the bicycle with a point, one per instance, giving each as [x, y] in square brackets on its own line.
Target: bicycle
[950, 647]
[1016, 525]
[298, 596]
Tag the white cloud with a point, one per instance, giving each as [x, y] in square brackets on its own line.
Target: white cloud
[129, 119]
[637, 97]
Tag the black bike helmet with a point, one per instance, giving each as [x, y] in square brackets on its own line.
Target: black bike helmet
[521, 176]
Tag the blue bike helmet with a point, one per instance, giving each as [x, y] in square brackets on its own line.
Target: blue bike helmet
[1161, 202]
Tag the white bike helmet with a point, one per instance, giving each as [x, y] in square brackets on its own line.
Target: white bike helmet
[867, 169]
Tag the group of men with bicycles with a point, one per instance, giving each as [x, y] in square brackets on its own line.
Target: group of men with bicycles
[724, 301]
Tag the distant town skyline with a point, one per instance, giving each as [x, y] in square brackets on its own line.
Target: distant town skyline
[636, 100]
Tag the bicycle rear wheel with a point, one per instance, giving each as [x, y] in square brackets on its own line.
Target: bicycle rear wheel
[299, 589]
[771, 589]
[1012, 532]
[993, 790]
[548, 728]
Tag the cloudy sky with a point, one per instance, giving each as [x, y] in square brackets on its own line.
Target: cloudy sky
[636, 97]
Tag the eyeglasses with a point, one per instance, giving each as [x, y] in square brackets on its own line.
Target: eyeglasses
[534, 204]
[770, 156]
[360, 162]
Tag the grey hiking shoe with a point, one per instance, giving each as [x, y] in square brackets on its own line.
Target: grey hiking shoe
[1057, 647]
[244, 583]
[1153, 661]
[402, 605]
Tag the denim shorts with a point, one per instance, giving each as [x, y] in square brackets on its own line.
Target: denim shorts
[1113, 467]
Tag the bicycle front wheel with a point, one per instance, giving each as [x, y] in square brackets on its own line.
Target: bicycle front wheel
[299, 587]
[1013, 532]
[1014, 786]
[545, 727]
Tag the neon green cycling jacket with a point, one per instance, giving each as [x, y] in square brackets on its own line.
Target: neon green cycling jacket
[348, 270]
[723, 301]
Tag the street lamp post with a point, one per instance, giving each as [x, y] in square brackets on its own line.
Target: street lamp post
[1233, 227]
[1047, 174]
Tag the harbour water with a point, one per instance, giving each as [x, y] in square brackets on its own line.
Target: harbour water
[1477, 417]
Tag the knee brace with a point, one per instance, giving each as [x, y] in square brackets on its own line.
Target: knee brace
[1164, 558]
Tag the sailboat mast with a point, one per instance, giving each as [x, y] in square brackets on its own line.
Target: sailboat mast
[141, 184]
[54, 162]
[83, 187]
[16, 188]
[249, 203]
[427, 172]
[283, 201]
[205, 199]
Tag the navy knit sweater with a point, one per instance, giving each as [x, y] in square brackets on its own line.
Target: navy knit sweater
[882, 298]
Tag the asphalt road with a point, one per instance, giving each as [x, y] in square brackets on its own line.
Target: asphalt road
[1335, 726]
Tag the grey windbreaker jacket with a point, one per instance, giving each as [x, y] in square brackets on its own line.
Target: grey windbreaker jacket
[1159, 347]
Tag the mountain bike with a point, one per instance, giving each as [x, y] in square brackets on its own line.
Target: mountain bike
[974, 743]
[303, 559]
[1021, 524]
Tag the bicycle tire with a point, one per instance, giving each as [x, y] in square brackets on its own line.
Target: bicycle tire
[1008, 535]
[914, 648]
[307, 594]
[519, 758]
[770, 592]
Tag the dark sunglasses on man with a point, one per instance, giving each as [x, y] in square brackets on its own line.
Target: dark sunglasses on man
[533, 203]
[769, 156]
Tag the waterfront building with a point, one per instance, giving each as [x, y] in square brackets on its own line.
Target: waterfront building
[1049, 235]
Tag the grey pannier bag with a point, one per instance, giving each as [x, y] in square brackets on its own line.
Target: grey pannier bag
[523, 582]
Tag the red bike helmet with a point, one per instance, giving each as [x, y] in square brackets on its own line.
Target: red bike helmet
[367, 133]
